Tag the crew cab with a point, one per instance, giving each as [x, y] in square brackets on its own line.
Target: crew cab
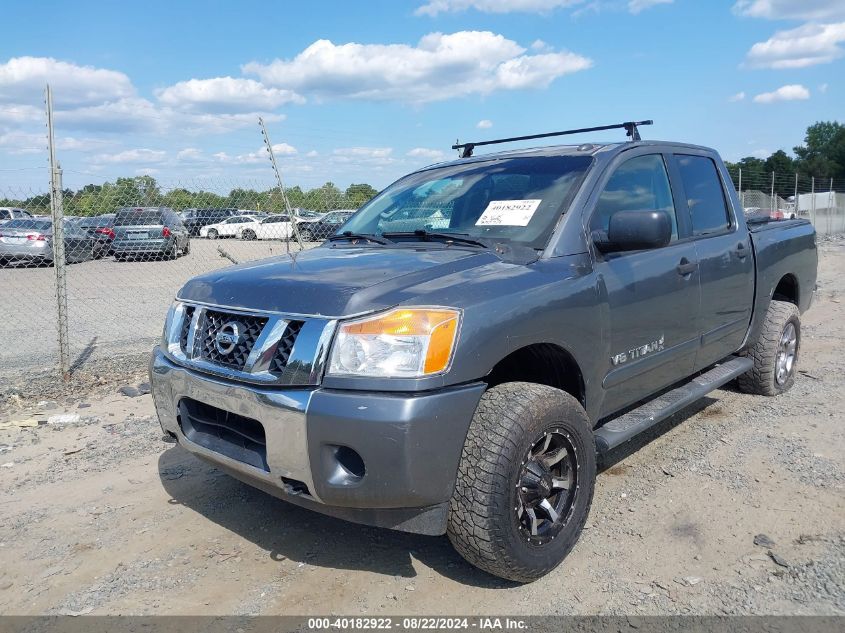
[461, 377]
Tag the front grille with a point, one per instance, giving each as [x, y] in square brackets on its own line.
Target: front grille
[213, 322]
[285, 347]
[186, 327]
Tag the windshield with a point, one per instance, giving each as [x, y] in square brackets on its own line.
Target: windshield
[511, 199]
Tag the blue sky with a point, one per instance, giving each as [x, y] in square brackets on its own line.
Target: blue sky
[366, 91]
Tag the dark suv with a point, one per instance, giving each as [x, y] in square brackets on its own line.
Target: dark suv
[149, 233]
[195, 219]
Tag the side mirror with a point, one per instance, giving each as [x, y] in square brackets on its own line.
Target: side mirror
[635, 231]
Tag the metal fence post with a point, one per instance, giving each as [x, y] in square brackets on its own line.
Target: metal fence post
[59, 262]
[830, 208]
[813, 200]
[773, 194]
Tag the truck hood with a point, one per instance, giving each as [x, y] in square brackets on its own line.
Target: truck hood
[333, 281]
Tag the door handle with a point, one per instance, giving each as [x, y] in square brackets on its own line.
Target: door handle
[741, 251]
[686, 267]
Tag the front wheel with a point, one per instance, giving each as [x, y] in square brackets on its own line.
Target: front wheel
[305, 235]
[525, 481]
[775, 353]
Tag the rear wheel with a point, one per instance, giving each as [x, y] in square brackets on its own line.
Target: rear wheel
[525, 482]
[212, 234]
[775, 354]
[306, 235]
[248, 234]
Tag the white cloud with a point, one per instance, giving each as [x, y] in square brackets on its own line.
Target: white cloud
[792, 92]
[426, 153]
[132, 156]
[637, 6]
[363, 152]
[791, 9]
[441, 66]
[804, 46]
[22, 80]
[435, 7]
[225, 94]
[312, 154]
[189, 153]
[258, 156]
[484, 124]
[739, 96]
[823, 88]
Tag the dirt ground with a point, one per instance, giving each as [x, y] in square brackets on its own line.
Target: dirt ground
[98, 515]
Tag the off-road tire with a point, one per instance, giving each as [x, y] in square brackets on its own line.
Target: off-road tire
[483, 526]
[762, 378]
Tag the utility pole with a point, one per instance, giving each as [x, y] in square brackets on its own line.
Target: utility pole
[59, 263]
[281, 185]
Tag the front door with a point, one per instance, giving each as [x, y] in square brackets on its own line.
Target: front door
[652, 295]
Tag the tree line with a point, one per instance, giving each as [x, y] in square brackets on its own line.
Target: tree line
[145, 191]
[821, 156]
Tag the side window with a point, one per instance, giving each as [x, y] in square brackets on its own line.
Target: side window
[705, 196]
[640, 184]
[5, 214]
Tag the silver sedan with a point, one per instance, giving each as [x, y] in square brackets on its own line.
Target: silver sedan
[31, 241]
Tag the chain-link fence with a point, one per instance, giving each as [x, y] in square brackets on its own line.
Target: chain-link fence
[131, 243]
[820, 200]
[128, 246]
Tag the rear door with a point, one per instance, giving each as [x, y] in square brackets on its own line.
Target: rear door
[652, 295]
[723, 249]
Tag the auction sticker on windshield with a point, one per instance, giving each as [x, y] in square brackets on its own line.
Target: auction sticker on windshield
[508, 213]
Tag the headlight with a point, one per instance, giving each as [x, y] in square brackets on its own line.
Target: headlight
[402, 343]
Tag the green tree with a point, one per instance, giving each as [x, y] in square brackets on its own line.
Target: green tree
[823, 152]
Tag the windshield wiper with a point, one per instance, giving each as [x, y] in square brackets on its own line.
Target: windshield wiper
[438, 235]
[349, 235]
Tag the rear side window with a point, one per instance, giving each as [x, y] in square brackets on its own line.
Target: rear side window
[705, 195]
[138, 217]
[5, 214]
[639, 184]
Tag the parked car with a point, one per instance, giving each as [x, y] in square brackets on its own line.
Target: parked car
[30, 240]
[319, 229]
[101, 228]
[195, 219]
[12, 213]
[273, 227]
[148, 233]
[462, 380]
[231, 227]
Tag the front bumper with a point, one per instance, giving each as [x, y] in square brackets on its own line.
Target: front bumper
[410, 444]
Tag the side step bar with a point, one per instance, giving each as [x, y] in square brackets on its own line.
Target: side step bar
[621, 429]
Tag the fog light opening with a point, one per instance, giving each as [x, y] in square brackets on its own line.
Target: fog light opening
[351, 461]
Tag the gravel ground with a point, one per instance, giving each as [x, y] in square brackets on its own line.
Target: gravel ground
[99, 516]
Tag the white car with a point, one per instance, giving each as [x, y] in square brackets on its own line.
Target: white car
[274, 227]
[230, 227]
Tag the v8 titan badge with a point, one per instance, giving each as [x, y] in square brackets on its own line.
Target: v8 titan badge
[508, 213]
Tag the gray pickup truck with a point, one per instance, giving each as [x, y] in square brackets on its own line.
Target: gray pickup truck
[461, 375]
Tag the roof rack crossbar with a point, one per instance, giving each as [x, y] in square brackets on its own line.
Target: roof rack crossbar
[630, 128]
